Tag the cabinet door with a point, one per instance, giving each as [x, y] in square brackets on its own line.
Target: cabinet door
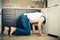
[52, 2]
[19, 11]
[53, 20]
[9, 17]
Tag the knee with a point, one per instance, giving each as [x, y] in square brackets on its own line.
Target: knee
[28, 33]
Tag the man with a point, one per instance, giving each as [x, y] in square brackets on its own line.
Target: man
[22, 28]
[37, 17]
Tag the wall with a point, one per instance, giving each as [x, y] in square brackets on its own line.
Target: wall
[20, 3]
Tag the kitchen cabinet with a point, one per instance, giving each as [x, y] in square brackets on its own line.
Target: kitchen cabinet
[53, 20]
[10, 15]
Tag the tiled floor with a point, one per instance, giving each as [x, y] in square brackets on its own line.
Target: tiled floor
[31, 37]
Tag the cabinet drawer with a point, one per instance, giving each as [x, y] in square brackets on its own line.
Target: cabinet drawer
[8, 11]
[9, 22]
[8, 16]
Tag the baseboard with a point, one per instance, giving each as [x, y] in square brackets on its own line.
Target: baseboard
[53, 35]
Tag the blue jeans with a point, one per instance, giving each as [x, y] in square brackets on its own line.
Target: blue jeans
[23, 27]
[21, 32]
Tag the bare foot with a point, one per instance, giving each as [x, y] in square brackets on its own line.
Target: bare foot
[34, 32]
[43, 34]
[5, 31]
[12, 30]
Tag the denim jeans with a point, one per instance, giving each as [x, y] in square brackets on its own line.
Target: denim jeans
[23, 26]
